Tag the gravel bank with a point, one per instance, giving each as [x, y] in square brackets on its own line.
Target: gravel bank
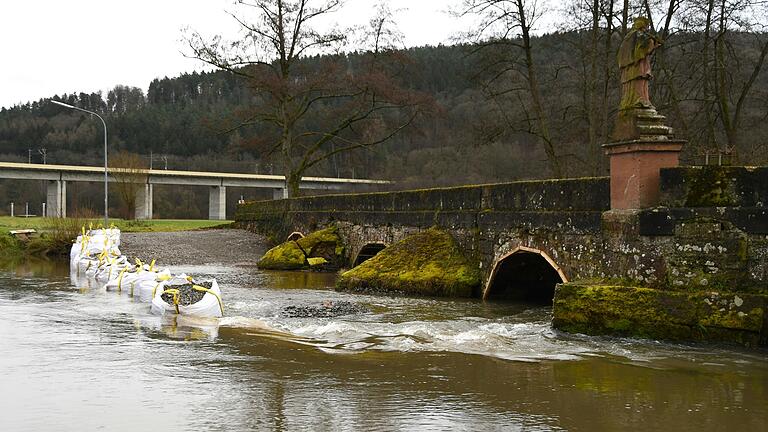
[230, 246]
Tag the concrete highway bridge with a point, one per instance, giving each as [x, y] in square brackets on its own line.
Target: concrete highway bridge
[57, 177]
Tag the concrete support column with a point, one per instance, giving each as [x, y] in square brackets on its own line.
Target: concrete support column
[56, 199]
[279, 193]
[217, 203]
[144, 202]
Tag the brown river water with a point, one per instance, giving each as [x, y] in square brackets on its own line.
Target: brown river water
[79, 358]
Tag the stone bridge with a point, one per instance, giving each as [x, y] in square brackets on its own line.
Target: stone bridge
[707, 234]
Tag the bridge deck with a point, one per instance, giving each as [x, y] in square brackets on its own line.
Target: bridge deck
[26, 171]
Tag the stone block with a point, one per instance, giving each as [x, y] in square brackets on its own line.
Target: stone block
[714, 186]
[659, 314]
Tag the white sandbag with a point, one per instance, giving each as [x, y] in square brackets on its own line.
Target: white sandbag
[77, 247]
[112, 270]
[145, 289]
[111, 235]
[129, 282]
[85, 263]
[123, 276]
[211, 305]
[104, 261]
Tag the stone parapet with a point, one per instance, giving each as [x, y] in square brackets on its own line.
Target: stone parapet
[714, 186]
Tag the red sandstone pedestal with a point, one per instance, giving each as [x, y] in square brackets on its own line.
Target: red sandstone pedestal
[635, 166]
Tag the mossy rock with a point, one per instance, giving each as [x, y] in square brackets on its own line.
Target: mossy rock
[660, 314]
[428, 263]
[306, 252]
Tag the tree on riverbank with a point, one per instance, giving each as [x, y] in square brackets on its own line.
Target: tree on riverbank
[128, 171]
[310, 110]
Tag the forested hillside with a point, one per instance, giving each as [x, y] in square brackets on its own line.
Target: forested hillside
[479, 129]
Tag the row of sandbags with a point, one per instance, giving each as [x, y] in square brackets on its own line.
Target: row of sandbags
[96, 256]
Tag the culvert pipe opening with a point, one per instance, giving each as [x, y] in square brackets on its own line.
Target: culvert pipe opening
[524, 276]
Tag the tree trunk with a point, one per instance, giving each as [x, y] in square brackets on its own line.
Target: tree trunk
[710, 140]
[292, 182]
[533, 85]
[591, 82]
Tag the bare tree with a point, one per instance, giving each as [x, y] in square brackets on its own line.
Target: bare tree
[314, 109]
[720, 48]
[129, 172]
[509, 23]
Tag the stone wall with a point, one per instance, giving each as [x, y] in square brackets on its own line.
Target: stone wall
[486, 220]
[666, 247]
[708, 238]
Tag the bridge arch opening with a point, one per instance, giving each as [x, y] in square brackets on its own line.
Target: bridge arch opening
[526, 275]
[367, 252]
[295, 236]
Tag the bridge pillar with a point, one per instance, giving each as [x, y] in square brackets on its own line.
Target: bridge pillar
[279, 193]
[144, 198]
[217, 203]
[56, 199]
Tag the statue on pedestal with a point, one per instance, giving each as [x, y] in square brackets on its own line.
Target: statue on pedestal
[641, 143]
[637, 116]
[635, 65]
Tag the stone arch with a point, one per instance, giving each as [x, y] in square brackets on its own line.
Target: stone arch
[368, 251]
[295, 236]
[524, 274]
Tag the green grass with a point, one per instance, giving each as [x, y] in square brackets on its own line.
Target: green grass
[8, 223]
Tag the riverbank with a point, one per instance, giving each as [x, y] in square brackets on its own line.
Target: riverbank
[8, 223]
[53, 236]
[214, 246]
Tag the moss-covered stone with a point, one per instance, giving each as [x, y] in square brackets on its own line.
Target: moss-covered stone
[321, 248]
[427, 263]
[660, 314]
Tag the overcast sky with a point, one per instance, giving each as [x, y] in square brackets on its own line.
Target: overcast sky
[63, 46]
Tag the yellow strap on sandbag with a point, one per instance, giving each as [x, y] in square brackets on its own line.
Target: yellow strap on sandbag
[152, 266]
[210, 291]
[154, 290]
[120, 279]
[175, 293]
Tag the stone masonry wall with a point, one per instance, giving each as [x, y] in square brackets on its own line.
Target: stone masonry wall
[679, 248]
[696, 267]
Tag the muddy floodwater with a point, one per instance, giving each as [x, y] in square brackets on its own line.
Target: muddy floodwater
[79, 358]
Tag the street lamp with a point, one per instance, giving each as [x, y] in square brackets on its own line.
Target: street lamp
[106, 183]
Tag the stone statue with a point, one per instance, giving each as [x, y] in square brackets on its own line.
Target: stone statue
[634, 62]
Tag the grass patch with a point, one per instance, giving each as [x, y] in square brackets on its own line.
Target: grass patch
[55, 235]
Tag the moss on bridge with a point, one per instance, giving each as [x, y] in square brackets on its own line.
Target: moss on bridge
[660, 314]
[427, 263]
[321, 248]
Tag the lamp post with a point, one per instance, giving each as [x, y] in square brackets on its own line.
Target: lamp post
[106, 181]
